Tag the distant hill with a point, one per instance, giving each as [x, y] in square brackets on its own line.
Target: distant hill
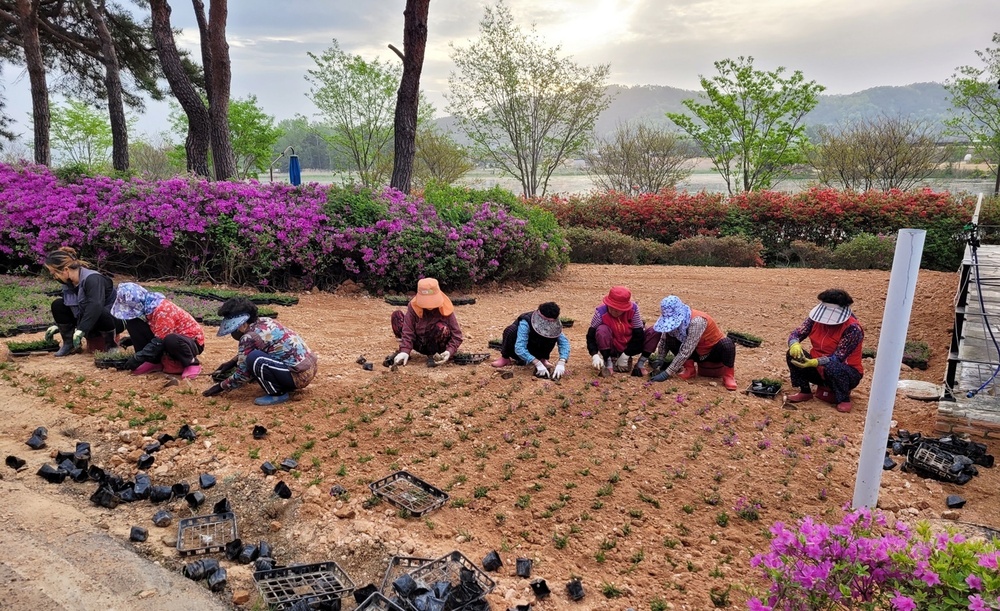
[650, 103]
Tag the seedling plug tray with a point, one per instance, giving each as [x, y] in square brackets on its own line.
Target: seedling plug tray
[400, 565]
[205, 534]
[377, 602]
[409, 492]
[281, 588]
[449, 569]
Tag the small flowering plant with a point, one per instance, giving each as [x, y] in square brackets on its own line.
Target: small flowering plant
[867, 563]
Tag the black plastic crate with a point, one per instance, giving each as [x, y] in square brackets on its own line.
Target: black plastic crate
[398, 566]
[205, 534]
[283, 587]
[448, 568]
[409, 492]
[377, 602]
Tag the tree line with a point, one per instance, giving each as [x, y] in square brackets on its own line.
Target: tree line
[520, 104]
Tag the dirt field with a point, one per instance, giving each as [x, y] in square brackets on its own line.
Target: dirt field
[630, 486]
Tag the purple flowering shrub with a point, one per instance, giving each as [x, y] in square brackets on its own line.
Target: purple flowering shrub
[867, 563]
[263, 234]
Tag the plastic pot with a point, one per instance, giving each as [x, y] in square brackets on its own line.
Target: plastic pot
[105, 497]
[404, 585]
[160, 494]
[15, 463]
[142, 486]
[368, 366]
[259, 432]
[199, 569]
[337, 490]
[263, 564]
[78, 475]
[264, 549]
[492, 562]
[206, 481]
[63, 456]
[954, 501]
[186, 433]
[195, 499]
[233, 549]
[138, 534]
[164, 439]
[222, 506]
[362, 594]
[180, 489]
[268, 468]
[41, 432]
[145, 462]
[248, 554]
[35, 442]
[127, 495]
[428, 602]
[162, 518]
[540, 588]
[217, 580]
[282, 490]
[152, 448]
[523, 567]
[288, 464]
[82, 451]
[52, 475]
[96, 473]
[574, 589]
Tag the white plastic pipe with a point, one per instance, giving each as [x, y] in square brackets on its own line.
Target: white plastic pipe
[892, 339]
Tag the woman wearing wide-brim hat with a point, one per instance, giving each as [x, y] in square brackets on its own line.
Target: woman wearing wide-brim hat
[429, 326]
[694, 338]
[616, 334]
[834, 359]
[165, 336]
[530, 339]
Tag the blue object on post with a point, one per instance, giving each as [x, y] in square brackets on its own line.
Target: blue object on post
[294, 170]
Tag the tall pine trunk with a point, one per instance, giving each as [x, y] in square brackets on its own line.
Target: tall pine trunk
[408, 97]
[113, 83]
[27, 23]
[218, 75]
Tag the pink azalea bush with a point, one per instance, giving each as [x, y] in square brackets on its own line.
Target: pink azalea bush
[266, 234]
[866, 562]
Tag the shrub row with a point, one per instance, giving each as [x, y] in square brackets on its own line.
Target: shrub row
[823, 217]
[274, 234]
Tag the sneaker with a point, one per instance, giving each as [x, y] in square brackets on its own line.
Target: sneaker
[147, 367]
[190, 372]
[271, 399]
[501, 362]
[800, 397]
[844, 408]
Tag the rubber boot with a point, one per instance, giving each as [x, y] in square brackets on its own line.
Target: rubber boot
[729, 378]
[690, 370]
[67, 348]
[639, 371]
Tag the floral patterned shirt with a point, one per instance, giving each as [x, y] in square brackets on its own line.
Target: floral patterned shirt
[281, 344]
[168, 318]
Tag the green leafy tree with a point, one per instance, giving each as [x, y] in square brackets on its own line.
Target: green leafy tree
[880, 153]
[749, 122]
[81, 135]
[439, 158]
[639, 158]
[976, 100]
[253, 136]
[308, 142]
[357, 99]
[525, 108]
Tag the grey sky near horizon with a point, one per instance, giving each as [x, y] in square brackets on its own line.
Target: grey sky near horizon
[845, 45]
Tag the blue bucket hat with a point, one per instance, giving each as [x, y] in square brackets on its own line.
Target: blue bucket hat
[133, 301]
[232, 323]
[674, 314]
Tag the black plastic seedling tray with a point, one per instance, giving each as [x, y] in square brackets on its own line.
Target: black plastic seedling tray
[470, 358]
[743, 340]
[282, 588]
[205, 534]
[768, 391]
[449, 568]
[409, 492]
[398, 566]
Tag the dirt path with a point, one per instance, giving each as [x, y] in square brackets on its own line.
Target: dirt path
[629, 485]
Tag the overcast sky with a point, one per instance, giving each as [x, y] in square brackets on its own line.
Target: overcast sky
[845, 45]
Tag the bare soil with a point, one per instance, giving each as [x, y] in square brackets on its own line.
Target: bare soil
[632, 487]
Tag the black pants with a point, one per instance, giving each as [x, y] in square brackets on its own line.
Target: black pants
[63, 315]
[724, 351]
[180, 348]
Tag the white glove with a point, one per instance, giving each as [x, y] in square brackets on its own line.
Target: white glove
[77, 338]
[51, 332]
[559, 370]
[622, 364]
[540, 370]
[442, 357]
[597, 361]
[401, 358]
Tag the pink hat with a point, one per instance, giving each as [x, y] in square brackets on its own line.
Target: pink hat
[619, 298]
